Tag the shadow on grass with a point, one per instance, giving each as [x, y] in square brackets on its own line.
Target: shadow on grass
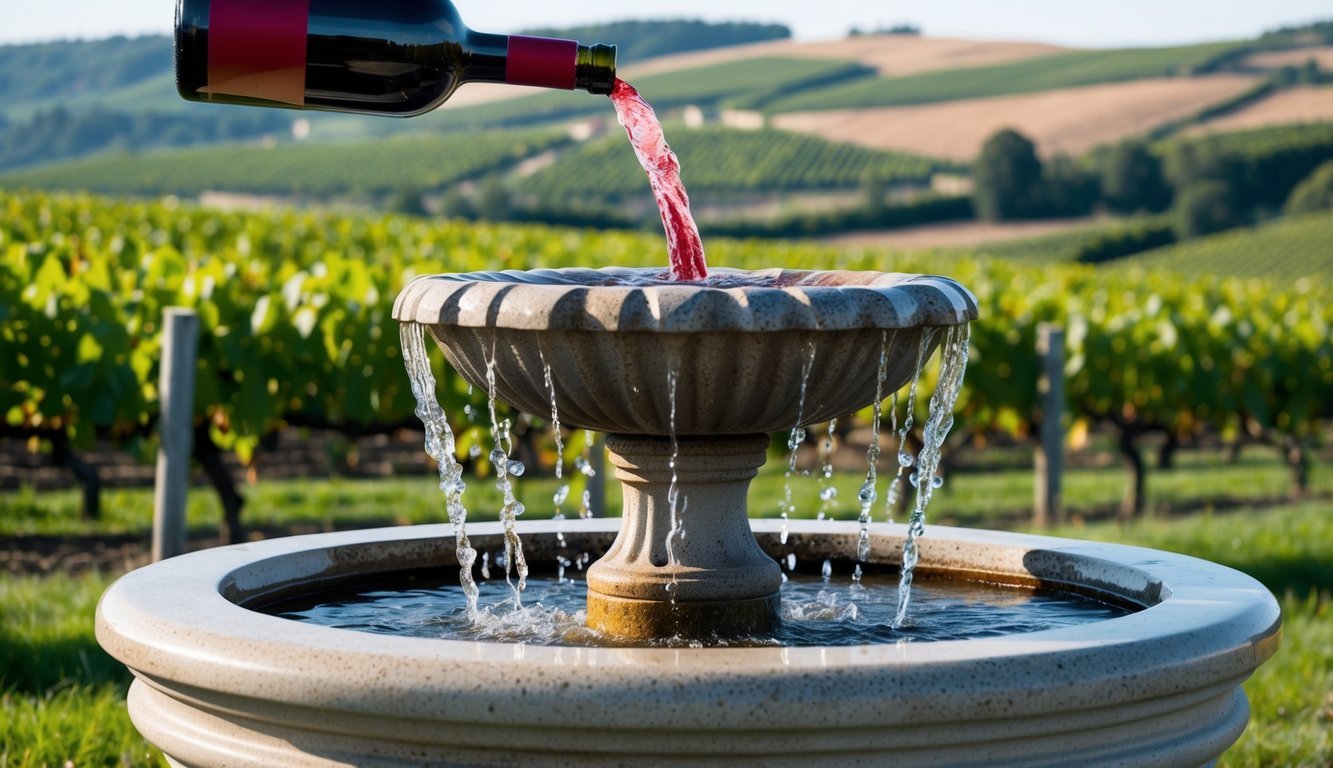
[40, 667]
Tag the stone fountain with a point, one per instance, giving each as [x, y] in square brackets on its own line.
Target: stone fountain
[686, 379]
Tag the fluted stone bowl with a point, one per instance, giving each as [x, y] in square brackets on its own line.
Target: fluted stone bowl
[739, 343]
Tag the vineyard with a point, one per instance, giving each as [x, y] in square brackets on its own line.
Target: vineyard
[296, 326]
[318, 170]
[1282, 251]
[1045, 73]
[717, 159]
[713, 86]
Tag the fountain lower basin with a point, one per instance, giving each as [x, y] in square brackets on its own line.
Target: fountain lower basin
[219, 684]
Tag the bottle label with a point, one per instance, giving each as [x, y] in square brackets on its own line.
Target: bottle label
[541, 61]
[257, 49]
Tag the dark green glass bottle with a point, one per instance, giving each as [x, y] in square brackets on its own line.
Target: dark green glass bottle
[394, 57]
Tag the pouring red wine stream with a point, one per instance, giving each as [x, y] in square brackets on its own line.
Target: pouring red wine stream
[663, 169]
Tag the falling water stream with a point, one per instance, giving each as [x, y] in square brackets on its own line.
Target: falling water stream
[511, 508]
[440, 445]
[953, 364]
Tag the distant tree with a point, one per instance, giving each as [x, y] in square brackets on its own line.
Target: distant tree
[493, 200]
[1190, 162]
[1203, 208]
[409, 200]
[874, 190]
[1068, 188]
[1313, 194]
[1008, 178]
[1131, 179]
[455, 205]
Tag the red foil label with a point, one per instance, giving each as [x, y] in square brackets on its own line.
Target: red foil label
[541, 61]
[257, 49]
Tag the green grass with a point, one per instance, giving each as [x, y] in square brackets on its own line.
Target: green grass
[1044, 73]
[421, 161]
[62, 698]
[1285, 250]
[1003, 496]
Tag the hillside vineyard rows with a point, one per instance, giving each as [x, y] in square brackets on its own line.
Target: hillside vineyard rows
[295, 309]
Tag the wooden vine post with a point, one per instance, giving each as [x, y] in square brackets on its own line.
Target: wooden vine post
[180, 342]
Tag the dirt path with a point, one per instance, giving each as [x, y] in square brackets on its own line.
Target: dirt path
[957, 233]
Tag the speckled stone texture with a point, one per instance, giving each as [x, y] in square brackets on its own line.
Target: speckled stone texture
[738, 347]
[220, 685]
[691, 571]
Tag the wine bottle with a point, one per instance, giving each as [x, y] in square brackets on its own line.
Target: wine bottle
[386, 57]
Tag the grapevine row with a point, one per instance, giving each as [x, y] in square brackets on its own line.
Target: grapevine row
[296, 322]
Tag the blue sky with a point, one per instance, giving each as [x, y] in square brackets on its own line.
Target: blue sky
[1072, 22]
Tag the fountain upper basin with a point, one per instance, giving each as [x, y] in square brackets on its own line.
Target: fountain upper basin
[739, 343]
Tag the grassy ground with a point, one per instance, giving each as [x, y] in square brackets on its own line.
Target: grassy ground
[62, 698]
[993, 496]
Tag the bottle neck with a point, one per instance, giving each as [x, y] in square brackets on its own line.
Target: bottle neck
[540, 61]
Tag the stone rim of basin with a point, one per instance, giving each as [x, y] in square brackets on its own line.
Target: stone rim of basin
[215, 678]
[624, 299]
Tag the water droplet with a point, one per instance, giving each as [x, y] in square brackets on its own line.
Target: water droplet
[467, 410]
[937, 481]
[791, 561]
[561, 494]
[519, 509]
[905, 459]
[499, 459]
[827, 571]
[856, 574]
[670, 586]
[474, 452]
[914, 479]
[783, 534]
[867, 494]
[828, 494]
[516, 468]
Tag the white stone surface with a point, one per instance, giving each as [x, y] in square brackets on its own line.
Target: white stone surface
[220, 685]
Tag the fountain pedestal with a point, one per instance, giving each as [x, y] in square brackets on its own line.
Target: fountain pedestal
[692, 568]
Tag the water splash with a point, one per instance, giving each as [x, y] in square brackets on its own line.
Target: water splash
[953, 364]
[511, 508]
[794, 440]
[440, 447]
[867, 494]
